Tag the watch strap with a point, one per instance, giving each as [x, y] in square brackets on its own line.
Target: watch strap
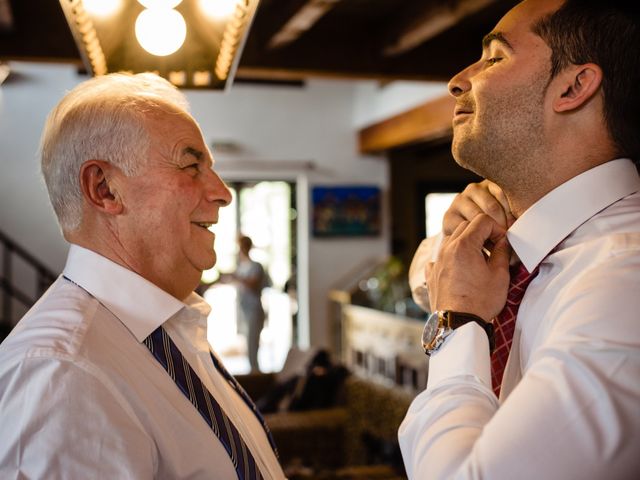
[457, 319]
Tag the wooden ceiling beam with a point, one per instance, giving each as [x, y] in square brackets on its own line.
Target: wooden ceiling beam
[424, 123]
[301, 21]
[295, 74]
[431, 22]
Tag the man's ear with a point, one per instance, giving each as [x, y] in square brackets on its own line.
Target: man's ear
[577, 84]
[97, 186]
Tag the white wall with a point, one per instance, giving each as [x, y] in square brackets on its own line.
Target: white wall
[270, 125]
[25, 212]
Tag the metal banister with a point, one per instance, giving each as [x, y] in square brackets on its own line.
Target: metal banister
[10, 290]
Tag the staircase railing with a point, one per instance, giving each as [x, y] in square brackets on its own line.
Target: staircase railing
[9, 289]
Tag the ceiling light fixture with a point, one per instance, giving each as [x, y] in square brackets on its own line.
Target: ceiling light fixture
[181, 40]
[102, 8]
[160, 31]
[218, 9]
[159, 3]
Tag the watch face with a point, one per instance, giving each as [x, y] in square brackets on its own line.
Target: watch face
[430, 329]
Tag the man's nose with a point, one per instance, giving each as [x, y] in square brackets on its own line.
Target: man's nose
[460, 83]
[217, 190]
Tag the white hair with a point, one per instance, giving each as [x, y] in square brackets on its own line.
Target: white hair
[103, 118]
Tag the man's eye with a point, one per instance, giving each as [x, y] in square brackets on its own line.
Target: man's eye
[493, 60]
[193, 166]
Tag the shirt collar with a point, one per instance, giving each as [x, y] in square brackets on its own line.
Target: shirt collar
[139, 304]
[552, 218]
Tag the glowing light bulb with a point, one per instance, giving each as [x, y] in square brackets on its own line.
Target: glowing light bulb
[218, 8]
[102, 8]
[160, 3]
[160, 31]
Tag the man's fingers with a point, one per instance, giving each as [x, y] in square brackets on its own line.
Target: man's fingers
[462, 208]
[458, 230]
[486, 195]
[500, 255]
[499, 195]
[476, 199]
[481, 229]
[463, 278]
[448, 240]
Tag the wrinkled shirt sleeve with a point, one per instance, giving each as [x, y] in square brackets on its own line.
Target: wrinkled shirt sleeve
[427, 252]
[69, 428]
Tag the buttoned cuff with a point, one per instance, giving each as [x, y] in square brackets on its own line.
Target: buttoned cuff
[464, 353]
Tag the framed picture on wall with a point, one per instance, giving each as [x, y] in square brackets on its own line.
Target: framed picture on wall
[346, 211]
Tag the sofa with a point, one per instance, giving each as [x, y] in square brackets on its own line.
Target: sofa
[354, 439]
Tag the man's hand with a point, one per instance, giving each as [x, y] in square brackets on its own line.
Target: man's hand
[477, 198]
[464, 278]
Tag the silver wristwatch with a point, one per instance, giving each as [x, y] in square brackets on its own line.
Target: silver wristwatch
[441, 323]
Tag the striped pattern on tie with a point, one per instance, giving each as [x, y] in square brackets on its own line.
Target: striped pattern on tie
[166, 352]
[505, 323]
[245, 396]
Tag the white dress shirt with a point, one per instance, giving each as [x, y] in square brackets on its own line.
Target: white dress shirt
[82, 397]
[570, 401]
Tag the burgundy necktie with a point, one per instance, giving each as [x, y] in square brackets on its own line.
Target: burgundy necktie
[505, 322]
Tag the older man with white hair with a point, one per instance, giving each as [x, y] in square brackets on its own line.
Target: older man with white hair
[110, 374]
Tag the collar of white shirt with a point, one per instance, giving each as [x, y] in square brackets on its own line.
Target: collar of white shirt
[552, 218]
[139, 304]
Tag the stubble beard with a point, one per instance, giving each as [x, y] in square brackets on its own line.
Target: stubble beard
[504, 139]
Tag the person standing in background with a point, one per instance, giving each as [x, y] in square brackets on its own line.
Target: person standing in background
[250, 278]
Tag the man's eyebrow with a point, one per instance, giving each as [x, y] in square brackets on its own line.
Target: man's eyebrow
[498, 36]
[192, 151]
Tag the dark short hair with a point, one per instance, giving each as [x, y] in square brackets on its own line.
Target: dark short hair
[607, 33]
[245, 242]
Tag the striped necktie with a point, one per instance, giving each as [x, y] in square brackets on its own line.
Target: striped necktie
[505, 322]
[166, 352]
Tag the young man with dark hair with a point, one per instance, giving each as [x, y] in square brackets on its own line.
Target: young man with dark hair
[535, 337]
